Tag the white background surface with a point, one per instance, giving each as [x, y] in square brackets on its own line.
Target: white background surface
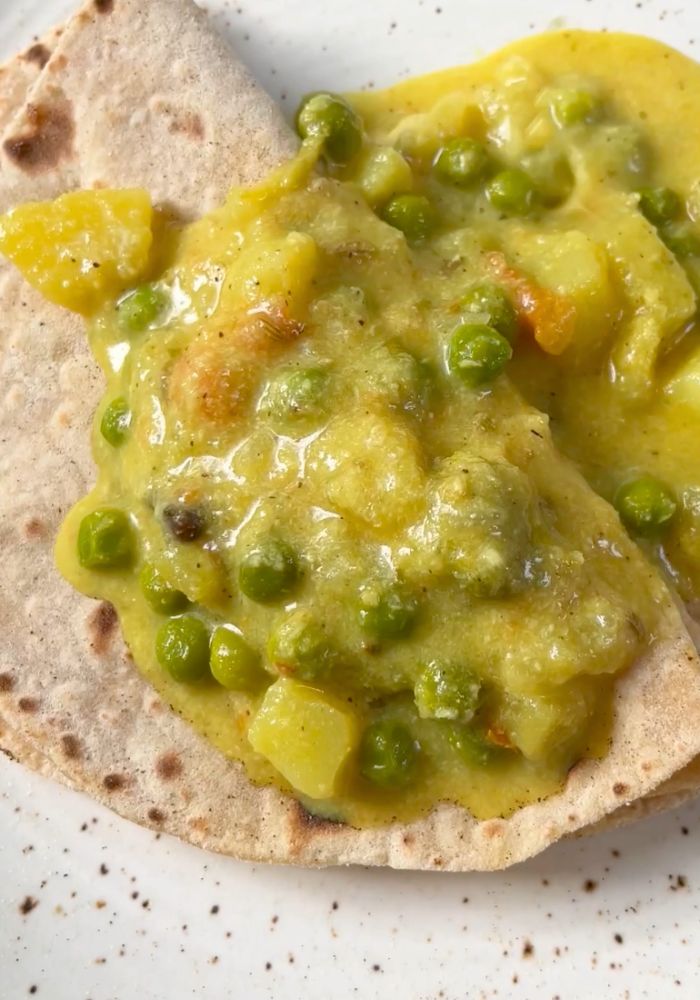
[116, 913]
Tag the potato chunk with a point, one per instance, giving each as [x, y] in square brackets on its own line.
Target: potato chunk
[82, 248]
[684, 386]
[420, 135]
[305, 734]
[575, 267]
[477, 529]
[659, 298]
[544, 726]
[370, 469]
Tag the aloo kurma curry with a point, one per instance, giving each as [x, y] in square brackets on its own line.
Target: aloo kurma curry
[340, 537]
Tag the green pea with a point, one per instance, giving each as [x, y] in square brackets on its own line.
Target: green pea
[477, 354]
[659, 205]
[461, 162]
[471, 745]
[388, 754]
[388, 614]
[446, 691]
[645, 505]
[268, 571]
[573, 106]
[182, 648]
[682, 238]
[330, 118]
[299, 647]
[412, 214]
[233, 663]
[141, 308]
[163, 598]
[511, 192]
[115, 422]
[491, 303]
[105, 539]
[296, 393]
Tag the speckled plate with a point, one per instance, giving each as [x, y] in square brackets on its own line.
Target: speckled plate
[94, 908]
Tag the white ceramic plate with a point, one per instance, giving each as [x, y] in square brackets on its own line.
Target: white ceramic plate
[94, 908]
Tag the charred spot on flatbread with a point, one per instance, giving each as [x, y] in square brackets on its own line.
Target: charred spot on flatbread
[156, 815]
[104, 6]
[169, 766]
[188, 123]
[493, 828]
[33, 528]
[47, 137]
[71, 746]
[102, 625]
[7, 682]
[37, 53]
[57, 64]
[114, 782]
[181, 121]
[306, 825]
[199, 824]
[619, 788]
[29, 705]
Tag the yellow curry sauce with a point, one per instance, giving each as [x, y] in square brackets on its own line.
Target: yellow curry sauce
[628, 401]
[410, 595]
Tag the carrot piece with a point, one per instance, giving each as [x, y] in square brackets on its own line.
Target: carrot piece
[551, 318]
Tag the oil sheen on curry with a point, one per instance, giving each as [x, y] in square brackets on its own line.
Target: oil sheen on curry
[398, 451]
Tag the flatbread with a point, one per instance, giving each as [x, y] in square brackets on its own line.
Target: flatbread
[143, 92]
[16, 77]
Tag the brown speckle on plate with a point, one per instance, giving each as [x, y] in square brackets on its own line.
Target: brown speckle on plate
[28, 904]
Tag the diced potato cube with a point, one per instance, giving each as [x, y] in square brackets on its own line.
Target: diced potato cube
[370, 469]
[659, 298]
[684, 386]
[82, 248]
[306, 735]
[542, 726]
[510, 106]
[274, 268]
[197, 572]
[576, 268]
[420, 135]
[383, 172]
